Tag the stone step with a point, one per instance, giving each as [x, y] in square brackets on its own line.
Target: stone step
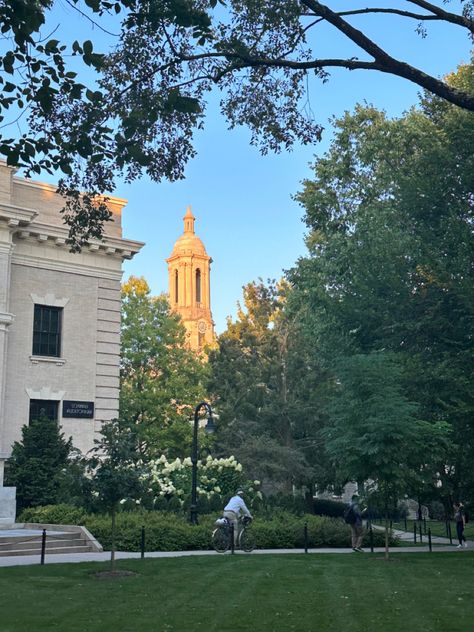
[53, 551]
[18, 544]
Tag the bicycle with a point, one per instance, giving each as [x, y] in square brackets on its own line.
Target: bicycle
[222, 534]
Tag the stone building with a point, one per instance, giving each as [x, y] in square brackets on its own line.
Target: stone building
[59, 319]
[189, 271]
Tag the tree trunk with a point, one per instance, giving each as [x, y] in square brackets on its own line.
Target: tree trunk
[112, 547]
[386, 534]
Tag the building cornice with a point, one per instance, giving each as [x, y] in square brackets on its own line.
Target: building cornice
[56, 236]
[66, 266]
[52, 188]
[16, 216]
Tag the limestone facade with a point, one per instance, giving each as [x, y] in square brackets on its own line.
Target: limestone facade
[37, 271]
[189, 272]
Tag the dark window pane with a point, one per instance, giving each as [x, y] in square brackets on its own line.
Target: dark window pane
[47, 330]
[43, 407]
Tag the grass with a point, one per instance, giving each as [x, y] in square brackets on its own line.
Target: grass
[281, 593]
[438, 528]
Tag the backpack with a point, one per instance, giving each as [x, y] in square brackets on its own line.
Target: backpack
[349, 515]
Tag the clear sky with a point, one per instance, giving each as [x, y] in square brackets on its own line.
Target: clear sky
[242, 201]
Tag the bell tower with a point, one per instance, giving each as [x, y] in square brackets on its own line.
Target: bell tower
[189, 268]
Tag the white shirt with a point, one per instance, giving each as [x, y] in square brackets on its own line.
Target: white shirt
[237, 505]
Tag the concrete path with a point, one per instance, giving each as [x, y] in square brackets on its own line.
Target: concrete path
[442, 546]
[407, 536]
[120, 555]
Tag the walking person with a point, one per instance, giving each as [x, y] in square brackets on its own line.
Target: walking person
[234, 508]
[460, 519]
[353, 517]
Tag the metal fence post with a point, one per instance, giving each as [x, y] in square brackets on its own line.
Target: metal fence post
[232, 543]
[429, 540]
[43, 546]
[305, 537]
[421, 535]
[142, 543]
[371, 534]
[424, 525]
[406, 526]
[414, 532]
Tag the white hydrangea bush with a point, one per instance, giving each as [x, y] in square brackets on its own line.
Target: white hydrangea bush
[215, 478]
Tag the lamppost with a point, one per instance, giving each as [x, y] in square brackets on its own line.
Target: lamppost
[209, 427]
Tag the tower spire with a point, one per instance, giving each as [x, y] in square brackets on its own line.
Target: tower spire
[189, 221]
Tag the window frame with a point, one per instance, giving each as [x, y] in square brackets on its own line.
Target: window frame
[47, 330]
[51, 407]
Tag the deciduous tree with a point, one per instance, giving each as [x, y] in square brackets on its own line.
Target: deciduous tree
[161, 379]
[391, 241]
[146, 98]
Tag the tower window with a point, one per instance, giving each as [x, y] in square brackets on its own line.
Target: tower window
[175, 286]
[198, 285]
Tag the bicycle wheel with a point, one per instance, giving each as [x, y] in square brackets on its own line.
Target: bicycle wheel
[220, 539]
[246, 541]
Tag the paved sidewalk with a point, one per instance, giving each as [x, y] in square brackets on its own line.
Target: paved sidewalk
[407, 536]
[70, 558]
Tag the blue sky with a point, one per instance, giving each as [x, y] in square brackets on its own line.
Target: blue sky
[242, 201]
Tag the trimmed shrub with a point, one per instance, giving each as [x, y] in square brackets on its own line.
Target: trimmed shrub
[287, 502]
[326, 507]
[165, 531]
[54, 514]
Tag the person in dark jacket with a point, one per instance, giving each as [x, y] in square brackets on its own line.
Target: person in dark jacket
[460, 519]
[357, 529]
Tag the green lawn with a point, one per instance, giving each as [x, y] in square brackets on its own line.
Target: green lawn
[307, 593]
[438, 528]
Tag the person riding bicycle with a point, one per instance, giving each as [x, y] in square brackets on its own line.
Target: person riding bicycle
[234, 508]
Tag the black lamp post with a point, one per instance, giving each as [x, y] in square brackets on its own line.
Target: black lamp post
[209, 427]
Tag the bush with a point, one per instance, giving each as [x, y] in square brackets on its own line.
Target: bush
[54, 514]
[165, 531]
[437, 510]
[326, 507]
[294, 504]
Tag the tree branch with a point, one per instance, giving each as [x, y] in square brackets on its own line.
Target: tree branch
[406, 14]
[387, 63]
[454, 18]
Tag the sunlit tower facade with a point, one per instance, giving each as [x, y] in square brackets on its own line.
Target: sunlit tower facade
[189, 271]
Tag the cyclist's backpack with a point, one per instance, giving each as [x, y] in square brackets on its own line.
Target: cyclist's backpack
[349, 515]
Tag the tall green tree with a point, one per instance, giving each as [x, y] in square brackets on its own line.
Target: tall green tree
[91, 114]
[374, 434]
[265, 382]
[390, 214]
[161, 379]
[38, 463]
[113, 473]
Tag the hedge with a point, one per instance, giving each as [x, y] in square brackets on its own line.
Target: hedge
[166, 531]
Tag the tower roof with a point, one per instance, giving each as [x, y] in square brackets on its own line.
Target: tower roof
[188, 241]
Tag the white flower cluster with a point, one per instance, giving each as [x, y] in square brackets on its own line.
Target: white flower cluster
[167, 478]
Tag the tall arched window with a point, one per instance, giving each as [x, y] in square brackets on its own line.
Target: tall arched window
[198, 285]
[175, 286]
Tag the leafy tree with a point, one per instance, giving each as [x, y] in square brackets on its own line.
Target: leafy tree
[265, 382]
[161, 379]
[374, 434]
[147, 97]
[390, 215]
[39, 463]
[113, 472]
